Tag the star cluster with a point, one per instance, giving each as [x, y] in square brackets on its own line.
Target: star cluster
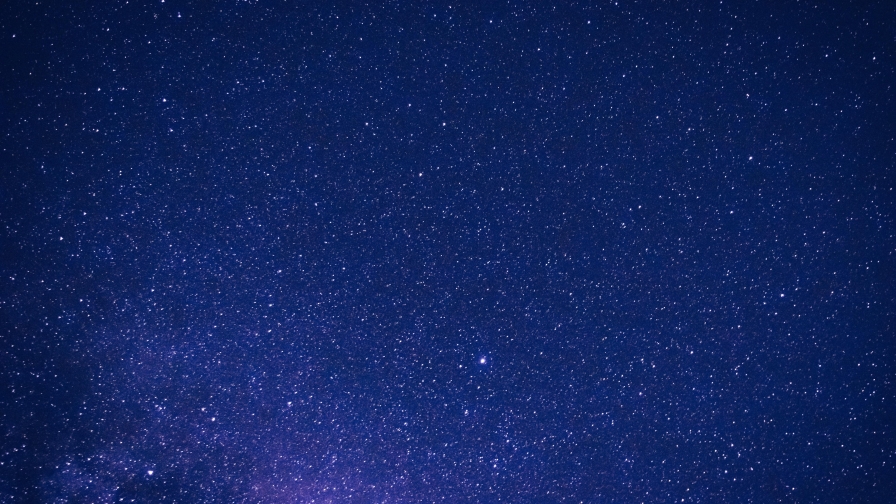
[516, 252]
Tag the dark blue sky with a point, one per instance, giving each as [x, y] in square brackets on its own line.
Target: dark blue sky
[607, 252]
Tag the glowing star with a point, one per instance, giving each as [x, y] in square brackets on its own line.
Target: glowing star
[483, 360]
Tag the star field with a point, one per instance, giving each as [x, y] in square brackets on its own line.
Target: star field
[266, 252]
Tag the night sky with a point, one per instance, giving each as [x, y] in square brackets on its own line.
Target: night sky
[600, 252]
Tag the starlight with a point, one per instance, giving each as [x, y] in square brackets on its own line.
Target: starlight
[245, 294]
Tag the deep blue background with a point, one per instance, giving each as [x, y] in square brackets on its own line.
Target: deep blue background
[254, 252]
